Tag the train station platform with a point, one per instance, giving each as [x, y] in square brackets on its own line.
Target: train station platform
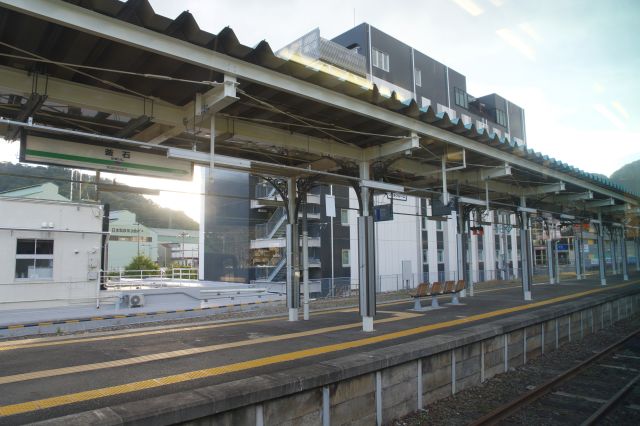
[322, 371]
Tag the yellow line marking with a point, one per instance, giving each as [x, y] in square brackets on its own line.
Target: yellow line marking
[47, 341]
[16, 326]
[397, 316]
[76, 397]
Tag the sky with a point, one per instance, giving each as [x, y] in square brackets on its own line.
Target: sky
[573, 65]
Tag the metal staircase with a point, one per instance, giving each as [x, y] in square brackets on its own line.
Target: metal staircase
[273, 227]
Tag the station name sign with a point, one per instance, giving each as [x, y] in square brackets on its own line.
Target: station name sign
[106, 158]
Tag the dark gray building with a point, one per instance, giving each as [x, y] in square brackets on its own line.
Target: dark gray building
[399, 68]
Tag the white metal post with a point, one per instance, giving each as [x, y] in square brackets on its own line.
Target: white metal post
[366, 257]
[293, 272]
[625, 272]
[305, 262]
[552, 279]
[603, 279]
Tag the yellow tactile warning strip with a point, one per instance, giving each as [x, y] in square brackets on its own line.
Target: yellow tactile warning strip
[55, 341]
[71, 398]
[124, 362]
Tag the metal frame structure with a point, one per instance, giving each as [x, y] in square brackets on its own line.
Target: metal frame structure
[118, 73]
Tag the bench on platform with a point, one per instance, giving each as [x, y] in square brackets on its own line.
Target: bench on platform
[455, 288]
[427, 290]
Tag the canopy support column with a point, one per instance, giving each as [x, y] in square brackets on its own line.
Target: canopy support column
[603, 279]
[623, 241]
[525, 251]
[366, 255]
[293, 253]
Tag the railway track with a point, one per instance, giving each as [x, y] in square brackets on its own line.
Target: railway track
[604, 389]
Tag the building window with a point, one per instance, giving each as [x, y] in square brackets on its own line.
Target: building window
[380, 59]
[440, 255]
[34, 259]
[462, 99]
[439, 225]
[344, 217]
[418, 76]
[501, 117]
[425, 256]
[346, 261]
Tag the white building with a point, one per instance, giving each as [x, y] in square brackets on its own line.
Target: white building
[411, 248]
[49, 249]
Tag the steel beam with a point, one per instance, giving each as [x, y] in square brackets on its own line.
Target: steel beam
[103, 26]
[483, 178]
[544, 189]
[621, 208]
[169, 119]
[132, 125]
[202, 107]
[415, 168]
[81, 95]
[576, 197]
[483, 174]
[600, 203]
[395, 147]
[32, 105]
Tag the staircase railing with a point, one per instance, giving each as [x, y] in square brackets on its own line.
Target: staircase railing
[267, 230]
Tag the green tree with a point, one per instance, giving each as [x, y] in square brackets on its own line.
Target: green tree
[140, 263]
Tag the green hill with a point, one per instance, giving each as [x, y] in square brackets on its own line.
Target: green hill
[629, 176]
[13, 176]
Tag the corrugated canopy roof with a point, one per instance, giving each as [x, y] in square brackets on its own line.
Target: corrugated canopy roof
[25, 36]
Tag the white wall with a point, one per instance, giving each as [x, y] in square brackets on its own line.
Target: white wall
[75, 230]
[398, 240]
[401, 239]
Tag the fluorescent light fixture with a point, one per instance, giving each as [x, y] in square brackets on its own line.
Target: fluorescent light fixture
[383, 186]
[204, 158]
[567, 216]
[527, 210]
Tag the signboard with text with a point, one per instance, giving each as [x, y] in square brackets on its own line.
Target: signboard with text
[107, 158]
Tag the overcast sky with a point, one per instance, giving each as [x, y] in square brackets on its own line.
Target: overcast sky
[573, 65]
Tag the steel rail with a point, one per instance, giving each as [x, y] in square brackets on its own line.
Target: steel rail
[612, 402]
[512, 407]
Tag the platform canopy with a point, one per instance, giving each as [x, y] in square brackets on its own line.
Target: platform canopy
[132, 78]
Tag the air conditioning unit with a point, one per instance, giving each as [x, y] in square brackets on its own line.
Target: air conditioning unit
[136, 300]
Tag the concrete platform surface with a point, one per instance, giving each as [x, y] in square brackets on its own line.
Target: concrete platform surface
[46, 378]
